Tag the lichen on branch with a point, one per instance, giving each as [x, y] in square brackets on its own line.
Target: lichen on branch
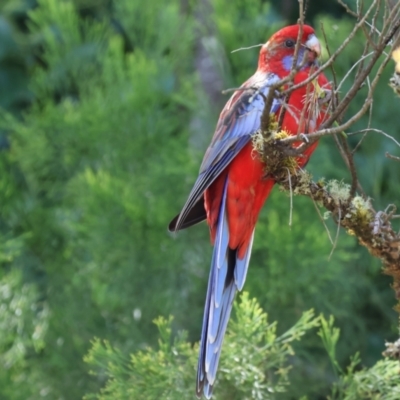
[356, 215]
[266, 147]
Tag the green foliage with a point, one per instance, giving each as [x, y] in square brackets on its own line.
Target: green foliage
[14, 94]
[150, 374]
[255, 361]
[97, 154]
[91, 185]
[23, 326]
[330, 336]
[382, 381]
[382, 113]
[257, 23]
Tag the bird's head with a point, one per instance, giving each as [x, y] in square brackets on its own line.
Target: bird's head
[277, 54]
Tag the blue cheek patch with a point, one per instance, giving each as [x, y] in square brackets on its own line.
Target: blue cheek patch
[287, 61]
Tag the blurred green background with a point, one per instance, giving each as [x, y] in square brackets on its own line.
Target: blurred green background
[106, 109]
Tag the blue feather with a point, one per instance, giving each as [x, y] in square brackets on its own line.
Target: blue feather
[227, 275]
[242, 266]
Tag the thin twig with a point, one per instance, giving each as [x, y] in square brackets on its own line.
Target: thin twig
[322, 219]
[247, 48]
[377, 131]
[352, 68]
[291, 198]
[337, 232]
[337, 52]
[392, 157]
[347, 8]
[335, 90]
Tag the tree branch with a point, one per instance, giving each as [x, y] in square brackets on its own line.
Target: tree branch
[356, 215]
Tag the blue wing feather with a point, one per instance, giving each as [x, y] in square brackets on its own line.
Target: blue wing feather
[242, 266]
[239, 119]
[227, 275]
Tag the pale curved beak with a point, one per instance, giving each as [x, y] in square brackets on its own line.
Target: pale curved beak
[312, 44]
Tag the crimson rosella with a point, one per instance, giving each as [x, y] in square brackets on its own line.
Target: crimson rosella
[232, 185]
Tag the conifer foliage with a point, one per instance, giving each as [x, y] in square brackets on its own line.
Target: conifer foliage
[103, 115]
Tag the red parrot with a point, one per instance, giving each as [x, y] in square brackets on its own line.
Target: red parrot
[232, 185]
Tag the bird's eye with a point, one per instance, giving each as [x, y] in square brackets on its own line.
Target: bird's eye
[290, 43]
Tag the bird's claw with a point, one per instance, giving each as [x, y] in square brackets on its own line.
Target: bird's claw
[304, 138]
[395, 82]
[325, 96]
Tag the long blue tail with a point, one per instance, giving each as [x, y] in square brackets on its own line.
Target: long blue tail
[227, 275]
